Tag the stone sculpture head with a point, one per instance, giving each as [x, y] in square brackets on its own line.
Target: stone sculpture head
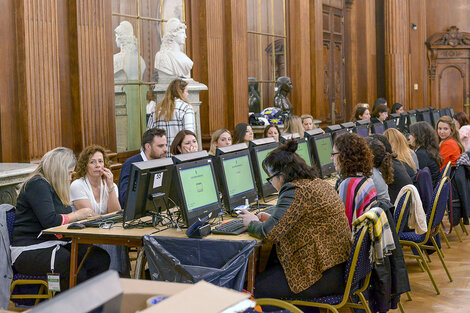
[125, 36]
[284, 84]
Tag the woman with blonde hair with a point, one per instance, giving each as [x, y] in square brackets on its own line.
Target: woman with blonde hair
[173, 113]
[44, 202]
[400, 146]
[220, 138]
[293, 124]
[307, 122]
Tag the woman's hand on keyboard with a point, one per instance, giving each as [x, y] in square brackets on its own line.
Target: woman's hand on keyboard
[247, 217]
[263, 216]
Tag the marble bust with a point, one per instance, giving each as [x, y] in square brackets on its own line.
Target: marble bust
[283, 87]
[126, 64]
[171, 59]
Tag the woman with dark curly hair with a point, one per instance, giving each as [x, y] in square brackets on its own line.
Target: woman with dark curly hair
[382, 172]
[423, 139]
[353, 161]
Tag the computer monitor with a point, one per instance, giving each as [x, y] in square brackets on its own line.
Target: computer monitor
[451, 111]
[335, 130]
[194, 190]
[412, 117]
[424, 115]
[303, 150]
[259, 150]
[287, 136]
[362, 130]
[403, 122]
[322, 147]
[148, 188]
[435, 116]
[390, 124]
[313, 132]
[102, 293]
[349, 126]
[377, 128]
[235, 176]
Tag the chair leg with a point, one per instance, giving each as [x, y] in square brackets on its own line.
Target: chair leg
[364, 302]
[427, 256]
[464, 229]
[420, 265]
[444, 237]
[426, 266]
[439, 253]
[458, 234]
[401, 307]
[408, 295]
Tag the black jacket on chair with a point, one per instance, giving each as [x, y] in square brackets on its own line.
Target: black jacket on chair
[460, 177]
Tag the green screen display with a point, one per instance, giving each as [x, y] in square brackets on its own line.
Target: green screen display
[324, 149]
[302, 151]
[238, 175]
[261, 156]
[198, 186]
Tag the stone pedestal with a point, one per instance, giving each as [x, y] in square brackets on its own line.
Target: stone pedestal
[194, 88]
[12, 175]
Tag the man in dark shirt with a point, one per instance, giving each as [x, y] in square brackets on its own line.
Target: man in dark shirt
[154, 146]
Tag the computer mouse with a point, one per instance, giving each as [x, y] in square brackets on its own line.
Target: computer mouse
[76, 226]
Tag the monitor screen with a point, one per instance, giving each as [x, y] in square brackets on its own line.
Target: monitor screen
[258, 154]
[390, 124]
[238, 170]
[303, 152]
[198, 187]
[412, 118]
[362, 130]
[435, 117]
[322, 148]
[195, 190]
[235, 178]
[378, 128]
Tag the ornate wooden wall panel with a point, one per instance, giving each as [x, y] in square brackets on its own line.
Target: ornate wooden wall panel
[449, 68]
[95, 73]
[42, 88]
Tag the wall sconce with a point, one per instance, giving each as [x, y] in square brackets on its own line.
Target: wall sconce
[414, 26]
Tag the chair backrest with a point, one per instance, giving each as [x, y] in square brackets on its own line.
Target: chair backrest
[439, 204]
[359, 264]
[423, 182]
[446, 170]
[402, 210]
[10, 222]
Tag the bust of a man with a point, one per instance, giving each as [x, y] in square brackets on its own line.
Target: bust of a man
[126, 62]
[283, 87]
[171, 60]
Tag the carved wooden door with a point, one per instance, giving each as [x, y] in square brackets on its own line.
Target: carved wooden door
[449, 66]
[333, 65]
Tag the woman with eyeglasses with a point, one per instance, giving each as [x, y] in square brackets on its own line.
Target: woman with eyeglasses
[353, 161]
[308, 228]
[44, 202]
[173, 113]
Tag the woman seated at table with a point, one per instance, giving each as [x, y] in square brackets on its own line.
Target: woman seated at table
[242, 133]
[450, 147]
[44, 202]
[272, 131]
[185, 142]
[423, 139]
[307, 122]
[94, 188]
[362, 113]
[353, 161]
[220, 138]
[379, 114]
[308, 227]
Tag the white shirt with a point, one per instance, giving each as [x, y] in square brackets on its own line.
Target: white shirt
[151, 107]
[81, 189]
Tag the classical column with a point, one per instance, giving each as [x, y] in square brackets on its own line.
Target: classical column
[397, 52]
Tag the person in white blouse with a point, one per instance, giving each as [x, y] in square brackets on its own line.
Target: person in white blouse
[94, 188]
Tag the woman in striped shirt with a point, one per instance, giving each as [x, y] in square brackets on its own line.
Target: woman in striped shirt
[353, 161]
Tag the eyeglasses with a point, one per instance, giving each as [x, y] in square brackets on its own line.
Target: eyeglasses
[270, 178]
[334, 153]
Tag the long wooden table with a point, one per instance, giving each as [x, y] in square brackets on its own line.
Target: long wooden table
[117, 235]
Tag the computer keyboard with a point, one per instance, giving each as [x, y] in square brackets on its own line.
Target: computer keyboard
[234, 227]
[269, 210]
[102, 220]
